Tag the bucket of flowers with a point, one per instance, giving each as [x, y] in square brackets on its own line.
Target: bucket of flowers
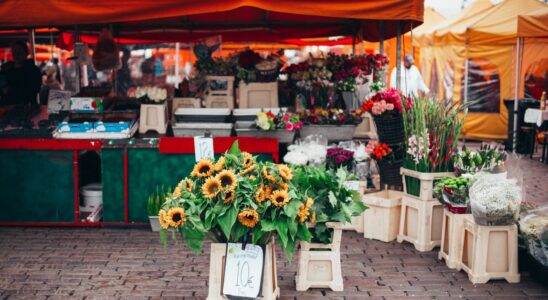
[431, 131]
[487, 159]
[388, 163]
[386, 108]
[338, 157]
[453, 193]
[237, 199]
[335, 124]
[281, 126]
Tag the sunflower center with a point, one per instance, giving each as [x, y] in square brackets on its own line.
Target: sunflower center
[204, 169]
[250, 217]
[228, 194]
[213, 188]
[225, 180]
[177, 217]
[279, 199]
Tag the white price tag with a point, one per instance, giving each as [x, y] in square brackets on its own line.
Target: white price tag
[243, 270]
[352, 185]
[203, 147]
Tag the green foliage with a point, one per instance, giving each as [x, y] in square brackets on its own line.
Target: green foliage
[333, 202]
[156, 199]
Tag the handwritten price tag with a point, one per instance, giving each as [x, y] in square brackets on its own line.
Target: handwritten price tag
[203, 147]
[243, 271]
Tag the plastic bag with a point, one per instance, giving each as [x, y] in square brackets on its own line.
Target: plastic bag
[106, 55]
[495, 201]
[534, 228]
[310, 150]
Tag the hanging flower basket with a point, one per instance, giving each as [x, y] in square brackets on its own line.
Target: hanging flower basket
[389, 129]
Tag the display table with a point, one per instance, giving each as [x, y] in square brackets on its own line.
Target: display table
[41, 178]
[535, 116]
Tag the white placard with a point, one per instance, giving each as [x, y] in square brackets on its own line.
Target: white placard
[58, 101]
[352, 185]
[203, 147]
[243, 270]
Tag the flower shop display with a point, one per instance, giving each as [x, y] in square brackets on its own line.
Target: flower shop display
[386, 109]
[154, 204]
[489, 252]
[312, 80]
[431, 131]
[487, 159]
[281, 126]
[258, 86]
[319, 260]
[237, 199]
[495, 201]
[453, 192]
[382, 218]
[335, 124]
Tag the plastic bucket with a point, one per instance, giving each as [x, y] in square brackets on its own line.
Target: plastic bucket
[92, 194]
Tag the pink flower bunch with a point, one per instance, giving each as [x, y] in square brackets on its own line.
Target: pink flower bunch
[290, 122]
[418, 147]
[380, 107]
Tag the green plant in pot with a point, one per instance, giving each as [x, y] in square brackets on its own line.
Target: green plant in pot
[154, 204]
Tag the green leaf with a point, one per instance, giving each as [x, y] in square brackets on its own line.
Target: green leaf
[292, 226]
[292, 208]
[235, 149]
[226, 222]
[209, 217]
[239, 231]
[356, 208]
[258, 233]
[332, 199]
[281, 228]
[289, 249]
[267, 225]
[194, 237]
[163, 236]
[303, 233]
[341, 176]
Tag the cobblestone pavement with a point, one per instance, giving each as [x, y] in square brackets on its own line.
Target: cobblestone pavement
[103, 263]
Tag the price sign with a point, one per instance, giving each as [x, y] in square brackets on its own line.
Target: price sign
[243, 271]
[352, 185]
[203, 147]
[58, 101]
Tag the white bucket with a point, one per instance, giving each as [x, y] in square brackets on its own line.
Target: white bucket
[92, 194]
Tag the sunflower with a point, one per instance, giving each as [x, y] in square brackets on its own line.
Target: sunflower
[176, 217]
[268, 176]
[260, 194]
[227, 179]
[248, 160]
[312, 218]
[248, 169]
[178, 189]
[279, 198]
[162, 217]
[303, 214]
[309, 202]
[211, 187]
[203, 168]
[189, 185]
[220, 164]
[248, 218]
[229, 195]
[285, 172]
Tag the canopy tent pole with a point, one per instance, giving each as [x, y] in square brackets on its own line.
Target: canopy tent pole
[354, 42]
[381, 36]
[398, 56]
[78, 66]
[516, 94]
[32, 42]
[466, 71]
[177, 59]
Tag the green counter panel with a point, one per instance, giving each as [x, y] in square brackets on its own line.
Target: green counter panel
[112, 174]
[36, 186]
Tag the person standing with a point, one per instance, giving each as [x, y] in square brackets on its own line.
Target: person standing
[50, 83]
[123, 75]
[411, 81]
[23, 77]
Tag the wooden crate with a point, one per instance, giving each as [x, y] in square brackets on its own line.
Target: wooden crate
[220, 98]
[319, 265]
[270, 289]
[258, 94]
[184, 103]
[153, 117]
[381, 221]
[426, 182]
[420, 223]
[451, 239]
[489, 252]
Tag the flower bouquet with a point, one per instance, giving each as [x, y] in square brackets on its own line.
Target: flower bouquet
[431, 132]
[149, 94]
[453, 193]
[281, 126]
[386, 109]
[388, 165]
[487, 158]
[495, 201]
[340, 158]
[237, 199]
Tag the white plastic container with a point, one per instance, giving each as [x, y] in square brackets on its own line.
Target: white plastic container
[92, 194]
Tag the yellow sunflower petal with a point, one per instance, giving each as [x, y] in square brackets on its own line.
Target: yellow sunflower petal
[279, 198]
[249, 218]
[176, 217]
[203, 168]
[219, 166]
[227, 179]
[211, 187]
[162, 217]
[285, 172]
[229, 195]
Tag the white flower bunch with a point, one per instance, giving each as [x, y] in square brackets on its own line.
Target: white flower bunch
[495, 201]
[154, 93]
[419, 147]
[304, 154]
[360, 154]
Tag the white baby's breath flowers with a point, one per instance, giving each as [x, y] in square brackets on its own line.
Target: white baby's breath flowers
[154, 93]
[495, 201]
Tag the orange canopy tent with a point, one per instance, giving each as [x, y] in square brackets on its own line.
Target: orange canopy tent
[236, 20]
[534, 25]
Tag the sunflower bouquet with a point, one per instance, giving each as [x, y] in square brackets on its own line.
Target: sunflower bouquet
[237, 198]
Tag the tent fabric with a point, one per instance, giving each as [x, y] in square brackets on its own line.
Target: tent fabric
[534, 24]
[215, 15]
[500, 24]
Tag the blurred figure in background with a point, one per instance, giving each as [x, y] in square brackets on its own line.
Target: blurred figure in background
[22, 76]
[123, 75]
[50, 83]
[411, 81]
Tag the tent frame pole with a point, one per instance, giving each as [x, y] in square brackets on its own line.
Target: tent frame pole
[381, 36]
[466, 71]
[516, 94]
[32, 41]
[398, 56]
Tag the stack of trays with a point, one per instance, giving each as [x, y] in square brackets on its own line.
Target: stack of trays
[199, 121]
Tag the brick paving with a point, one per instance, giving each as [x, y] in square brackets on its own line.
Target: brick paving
[108, 263]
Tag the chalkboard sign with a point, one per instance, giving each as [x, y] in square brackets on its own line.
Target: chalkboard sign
[203, 147]
[243, 274]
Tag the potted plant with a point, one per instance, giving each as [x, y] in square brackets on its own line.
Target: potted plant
[237, 199]
[431, 132]
[333, 206]
[335, 124]
[154, 205]
[281, 126]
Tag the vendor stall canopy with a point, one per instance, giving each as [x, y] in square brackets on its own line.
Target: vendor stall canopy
[235, 20]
